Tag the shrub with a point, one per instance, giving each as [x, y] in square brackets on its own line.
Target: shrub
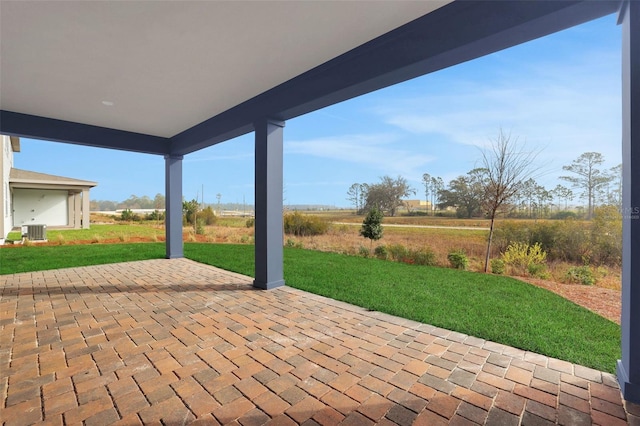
[564, 215]
[294, 244]
[581, 275]
[497, 266]
[538, 270]
[606, 235]
[458, 259]
[397, 251]
[566, 240]
[200, 226]
[424, 256]
[303, 225]
[207, 216]
[381, 252]
[519, 256]
[250, 223]
[154, 215]
[363, 251]
[128, 216]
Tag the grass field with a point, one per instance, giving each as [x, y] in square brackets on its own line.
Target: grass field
[491, 307]
[341, 238]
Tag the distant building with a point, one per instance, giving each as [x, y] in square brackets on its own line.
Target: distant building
[30, 198]
[417, 205]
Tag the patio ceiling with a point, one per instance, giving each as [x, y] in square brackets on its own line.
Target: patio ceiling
[175, 77]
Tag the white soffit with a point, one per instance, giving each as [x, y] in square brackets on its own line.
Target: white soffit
[161, 67]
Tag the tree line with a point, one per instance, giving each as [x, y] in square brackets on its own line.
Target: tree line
[502, 185]
[466, 194]
[133, 202]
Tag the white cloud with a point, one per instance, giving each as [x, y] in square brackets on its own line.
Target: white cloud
[379, 151]
[565, 109]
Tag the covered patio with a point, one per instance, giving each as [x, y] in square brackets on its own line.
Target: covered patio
[171, 78]
[178, 342]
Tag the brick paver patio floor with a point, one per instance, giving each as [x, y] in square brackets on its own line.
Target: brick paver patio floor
[176, 342]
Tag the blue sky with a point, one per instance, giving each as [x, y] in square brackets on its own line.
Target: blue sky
[559, 95]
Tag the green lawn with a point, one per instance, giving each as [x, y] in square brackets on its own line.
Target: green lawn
[495, 308]
[34, 258]
[98, 232]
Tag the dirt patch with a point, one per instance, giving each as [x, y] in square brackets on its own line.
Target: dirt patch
[603, 301]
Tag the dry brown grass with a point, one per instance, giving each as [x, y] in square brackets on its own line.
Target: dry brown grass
[344, 238]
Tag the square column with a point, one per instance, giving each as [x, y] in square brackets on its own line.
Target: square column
[173, 206]
[268, 200]
[71, 209]
[77, 211]
[86, 208]
[629, 366]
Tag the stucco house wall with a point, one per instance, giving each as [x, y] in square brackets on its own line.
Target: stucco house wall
[40, 206]
[8, 145]
[31, 198]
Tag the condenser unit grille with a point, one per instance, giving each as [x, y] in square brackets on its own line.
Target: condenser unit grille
[37, 232]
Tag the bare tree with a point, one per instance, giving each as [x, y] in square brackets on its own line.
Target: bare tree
[507, 164]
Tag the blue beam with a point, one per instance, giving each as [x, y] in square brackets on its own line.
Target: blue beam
[455, 33]
[268, 197]
[173, 206]
[629, 365]
[35, 127]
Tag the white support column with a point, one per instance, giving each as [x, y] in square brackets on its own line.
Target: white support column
[71, 209]
[86, 209]
[268, 200]
[77, 211]
[173, 206]
[629, 365]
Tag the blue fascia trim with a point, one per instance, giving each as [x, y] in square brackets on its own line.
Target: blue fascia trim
[32, 126]
[455, 33]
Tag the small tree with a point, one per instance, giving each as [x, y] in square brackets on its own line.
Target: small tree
[506, 166]
[372, 225]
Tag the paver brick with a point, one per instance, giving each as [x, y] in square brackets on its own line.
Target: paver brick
[574, 402]
[131, 402]
[568, 416]
[429, 418]
[59, 404]
[473, 397]
[340, 402]
[443, 405]
[472, 412]
[510, 402]
[304, 409]
[601, 418]
[535, 395]
[530, 419]
[400, 415]
[500, 417]
[615, 410]
[356, 419]
[271, 404]
[541, 410]
[163, 353]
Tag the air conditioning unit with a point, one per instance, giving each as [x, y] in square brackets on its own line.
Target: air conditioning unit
[37, 232]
